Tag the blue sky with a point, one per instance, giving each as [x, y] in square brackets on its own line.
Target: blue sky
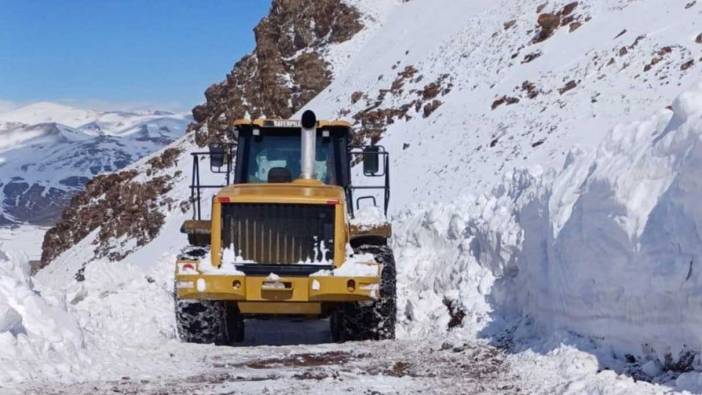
[121, 53]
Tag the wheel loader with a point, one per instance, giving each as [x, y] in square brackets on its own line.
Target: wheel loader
[281, 239]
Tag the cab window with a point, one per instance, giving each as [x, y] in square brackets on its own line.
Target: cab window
[282, 150]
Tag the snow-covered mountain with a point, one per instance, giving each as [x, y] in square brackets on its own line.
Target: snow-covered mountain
[48, 112]
[49, 151]
[545, 173]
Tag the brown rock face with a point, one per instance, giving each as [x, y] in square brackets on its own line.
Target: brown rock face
[568, 86]
[548, 23]
[371, 122]
[286, 69]
[129, 208]
[80, 218]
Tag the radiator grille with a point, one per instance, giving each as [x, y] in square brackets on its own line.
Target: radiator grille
[278, 233]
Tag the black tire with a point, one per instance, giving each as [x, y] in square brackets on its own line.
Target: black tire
[370, 320]
[208, 322]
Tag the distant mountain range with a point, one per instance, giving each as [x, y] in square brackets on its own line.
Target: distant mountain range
[48, 151]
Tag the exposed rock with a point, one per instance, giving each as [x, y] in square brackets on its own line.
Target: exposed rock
[568, 86]
[530, 89]
[698, 40]
[431, 91]
[569, 8]
[408, 72]
[637, 41]
[687, 64]
[278, 78]
[574, 26]
[507, 100]
[200, 113]
[168, 158]
[356, 96]
[431, 107]
[132, 211]
[82, 216]
[548, 23]
[371, 122]
[529, 57]
[658, 57]
[456, 312]
[131, 208]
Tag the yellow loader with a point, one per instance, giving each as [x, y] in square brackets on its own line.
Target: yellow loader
[281, 238]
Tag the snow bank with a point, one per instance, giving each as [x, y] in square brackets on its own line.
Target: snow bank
[609, 247]
[453, 258]
[87, 330]
[622, 260]
[38, 337]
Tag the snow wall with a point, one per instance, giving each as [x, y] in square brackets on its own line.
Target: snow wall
[609, 247]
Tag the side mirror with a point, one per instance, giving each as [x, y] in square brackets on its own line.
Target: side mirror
[218, 155]
[371, 164]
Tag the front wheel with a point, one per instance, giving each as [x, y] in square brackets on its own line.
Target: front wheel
[370, 320]
[208, 321]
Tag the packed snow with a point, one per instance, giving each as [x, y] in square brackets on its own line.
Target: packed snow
[228, 267]
[362, 265]
[368, 217]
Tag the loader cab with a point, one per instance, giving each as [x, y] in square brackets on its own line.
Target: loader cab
[270, 151]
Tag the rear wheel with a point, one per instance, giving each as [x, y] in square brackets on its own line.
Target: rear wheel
[370, 320]
[209, 321]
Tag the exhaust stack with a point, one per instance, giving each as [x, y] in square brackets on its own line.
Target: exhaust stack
[309, 144]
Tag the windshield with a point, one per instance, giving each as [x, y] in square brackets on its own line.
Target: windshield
[283, 151]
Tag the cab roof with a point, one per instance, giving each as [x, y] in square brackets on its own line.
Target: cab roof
[289, 123]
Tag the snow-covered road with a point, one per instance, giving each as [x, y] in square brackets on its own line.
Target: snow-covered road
[296, 356]
[288, 357]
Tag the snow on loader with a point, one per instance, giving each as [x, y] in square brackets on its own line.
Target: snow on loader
[281, 238]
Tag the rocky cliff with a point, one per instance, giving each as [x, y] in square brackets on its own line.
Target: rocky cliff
[286, 69]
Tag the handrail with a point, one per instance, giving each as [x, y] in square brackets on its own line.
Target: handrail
[354, 151]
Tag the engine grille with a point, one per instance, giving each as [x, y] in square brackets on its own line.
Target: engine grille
[278, 233]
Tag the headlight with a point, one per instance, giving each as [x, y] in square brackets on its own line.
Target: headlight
[187, 268]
